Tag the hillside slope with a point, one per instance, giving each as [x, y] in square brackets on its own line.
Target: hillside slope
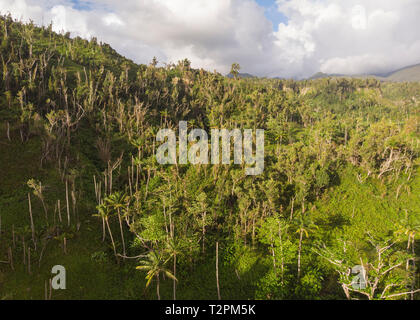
[81, 185]
[407, 74]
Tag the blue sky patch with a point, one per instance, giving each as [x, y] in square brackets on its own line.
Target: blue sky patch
[272, 13]
[81, 5]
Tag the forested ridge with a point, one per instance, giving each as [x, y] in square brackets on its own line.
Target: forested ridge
[81, 187]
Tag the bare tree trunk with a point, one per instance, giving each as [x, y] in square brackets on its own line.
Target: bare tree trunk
[282, 256]
[171, 231]
[67, 203]
[8, 131]
[29, 260]
[32, 220]
[291, 211]
[413, 282]
[299, 252]
[217, 270]
[112, 238]
[122, 232]
[274, 255]
[346, 292]
[174, 276]
[103, 229]
[59, 210]
[129, 181]
[204, 230]
[147, 184]
[74, 209]
[157, 287]
[253, 232]
[10, 253]
[45, 211]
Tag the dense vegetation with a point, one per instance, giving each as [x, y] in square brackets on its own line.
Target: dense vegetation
[80, 185]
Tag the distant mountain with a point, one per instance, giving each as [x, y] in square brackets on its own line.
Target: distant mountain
[406, 74]
[321, 75]
[242, 75]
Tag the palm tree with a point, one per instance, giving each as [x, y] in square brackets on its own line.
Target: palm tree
[38, 190]
[118, 201]
[305, 226]
[103, 212]
[137, 143]
[234, 71]
[154, 264]
[154, 62]
[173, 250]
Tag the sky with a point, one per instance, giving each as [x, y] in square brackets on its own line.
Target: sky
[271, 38]
[272, 13]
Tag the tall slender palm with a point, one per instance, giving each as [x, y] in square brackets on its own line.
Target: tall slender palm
[234, 71]
[173, 250]
[154, 264]
[304, 227]
[138, 143]
[118, 201]
[38, 189]
[103, 212]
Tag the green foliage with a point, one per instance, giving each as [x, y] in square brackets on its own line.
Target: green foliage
[341, 172]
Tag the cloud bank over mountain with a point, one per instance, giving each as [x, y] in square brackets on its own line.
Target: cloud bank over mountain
[345, 36]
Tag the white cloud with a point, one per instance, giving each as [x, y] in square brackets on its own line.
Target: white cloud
[68, 19]
[351, 36]
[112, 19]
[333, 36]
[21, 10]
